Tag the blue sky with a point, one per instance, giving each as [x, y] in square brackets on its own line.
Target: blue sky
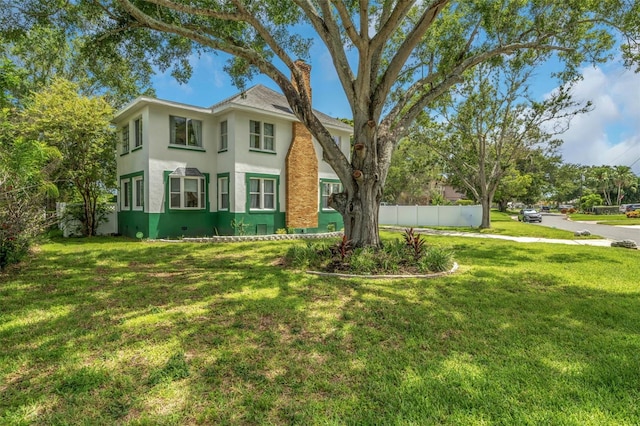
[609, 134]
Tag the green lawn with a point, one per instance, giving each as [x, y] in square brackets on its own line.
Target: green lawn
[504, 224]
[614, 219]
[114, 331]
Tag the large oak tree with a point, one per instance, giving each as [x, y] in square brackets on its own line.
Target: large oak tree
[393, 58]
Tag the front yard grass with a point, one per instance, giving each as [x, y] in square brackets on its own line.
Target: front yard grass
[613, 219]
[505, 224]
[115, 331]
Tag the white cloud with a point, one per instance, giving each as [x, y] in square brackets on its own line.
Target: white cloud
[610, 133]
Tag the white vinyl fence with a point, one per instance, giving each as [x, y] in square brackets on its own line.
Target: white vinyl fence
[72, 228]
[431, 215]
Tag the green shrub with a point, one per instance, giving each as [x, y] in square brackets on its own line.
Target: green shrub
[364, 261]
[436, 259]
[240, 227]
[300, 256]
[465, 202]
[281, 231]
[12, 249]
[395, 257]
[307, 255]
[388, 263]
[588, 202]
[397, 249]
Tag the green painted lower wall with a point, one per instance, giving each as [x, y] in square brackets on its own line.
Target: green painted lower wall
[132, 222]
[330, 217]
[177, 224]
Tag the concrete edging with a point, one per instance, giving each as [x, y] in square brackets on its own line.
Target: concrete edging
[339, 275]
[243, 238]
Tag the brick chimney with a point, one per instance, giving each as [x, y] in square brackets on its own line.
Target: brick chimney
[302, 184]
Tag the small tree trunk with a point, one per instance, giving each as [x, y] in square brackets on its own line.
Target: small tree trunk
[486, 213]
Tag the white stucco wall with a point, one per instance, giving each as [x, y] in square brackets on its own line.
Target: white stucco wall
[163, 158]
[136, 160]
[247, 161]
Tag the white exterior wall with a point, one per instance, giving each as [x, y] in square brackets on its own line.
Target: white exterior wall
[225, 161]
[162, 158]
[247, 161]
[324, 169]
[136, 160]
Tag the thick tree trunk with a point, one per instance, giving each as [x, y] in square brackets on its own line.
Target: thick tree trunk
[359, 203]
[360, 214]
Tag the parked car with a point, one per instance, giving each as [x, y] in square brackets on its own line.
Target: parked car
[529, 215]
[632, 207]
[546, 208]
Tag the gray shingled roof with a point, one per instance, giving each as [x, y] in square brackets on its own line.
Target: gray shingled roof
[186, 171]
[262, 97]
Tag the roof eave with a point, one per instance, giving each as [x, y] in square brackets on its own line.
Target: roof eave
[287, 116]
[144, 101]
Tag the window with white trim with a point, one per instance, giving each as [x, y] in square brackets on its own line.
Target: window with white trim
[185, 131]
[329, 188]
[224, 135]
[223, 193]
[125, 139]
[125, 194]
[262, 136]
[269, 137]
[262, 193]
[138, 193]
[187, 193]
[138, 132]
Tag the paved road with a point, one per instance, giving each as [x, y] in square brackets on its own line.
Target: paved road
[610, 232]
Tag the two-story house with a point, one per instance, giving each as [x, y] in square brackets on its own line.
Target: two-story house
[244, 165]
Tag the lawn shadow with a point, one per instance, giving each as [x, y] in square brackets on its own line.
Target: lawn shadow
[203, 333]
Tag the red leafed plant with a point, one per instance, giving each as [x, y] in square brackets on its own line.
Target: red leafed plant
[415, 242]
[344, 247]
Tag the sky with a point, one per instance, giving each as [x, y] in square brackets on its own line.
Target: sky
[607, 135]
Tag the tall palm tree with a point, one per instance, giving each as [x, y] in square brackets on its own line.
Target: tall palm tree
[623, 177]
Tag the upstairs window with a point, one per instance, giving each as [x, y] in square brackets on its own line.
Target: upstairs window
[261, 136]
[138, 130]
[224, 138]
[125, 139]
[262, 193]
[269, 137]
[185, 131]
